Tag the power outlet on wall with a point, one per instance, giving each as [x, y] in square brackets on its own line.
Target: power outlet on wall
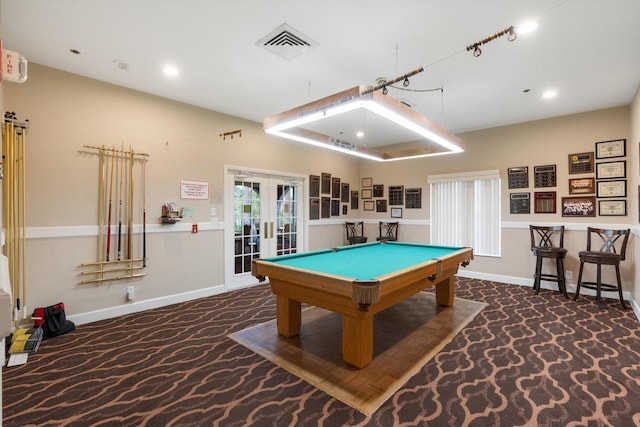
[130, 293]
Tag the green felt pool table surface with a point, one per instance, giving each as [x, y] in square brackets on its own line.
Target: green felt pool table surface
[366, 261]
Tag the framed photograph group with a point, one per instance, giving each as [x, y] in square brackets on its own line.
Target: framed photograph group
[579, 206]
[581, 186]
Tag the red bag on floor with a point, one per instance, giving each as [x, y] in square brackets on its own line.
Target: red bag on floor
[52, 320]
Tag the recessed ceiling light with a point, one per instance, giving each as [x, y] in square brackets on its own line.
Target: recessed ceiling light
[170, 71]
[360, 134]
[548, 94]
[527, 27]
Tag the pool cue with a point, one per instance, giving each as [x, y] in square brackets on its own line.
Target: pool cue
[130, 207]
[144, 213]
[101, 196]
[113, 162]
[121, 165]
[23, 219]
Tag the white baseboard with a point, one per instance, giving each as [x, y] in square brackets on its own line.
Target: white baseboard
[137, 306]
[571, 287]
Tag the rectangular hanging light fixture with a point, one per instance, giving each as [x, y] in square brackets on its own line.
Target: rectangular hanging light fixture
[386, 128]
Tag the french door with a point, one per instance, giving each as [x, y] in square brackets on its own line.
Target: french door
[263, 219]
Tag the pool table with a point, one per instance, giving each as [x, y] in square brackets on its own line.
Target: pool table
[358, 281]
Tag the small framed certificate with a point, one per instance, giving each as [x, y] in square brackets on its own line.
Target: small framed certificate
[396, 212]
[369, 205]
[366, 193]
[612, 207]
[614, 148]
[611, 170]
[616, 188]
[367, 182]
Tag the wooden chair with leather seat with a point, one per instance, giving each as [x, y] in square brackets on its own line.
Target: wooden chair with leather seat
[355, 232]
[388, 231]
[612, 250]
[548, 242]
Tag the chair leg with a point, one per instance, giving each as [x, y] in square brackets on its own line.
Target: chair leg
[598, 281]
[562, 285]
[577, 294]
[536, 277]
[624, 306]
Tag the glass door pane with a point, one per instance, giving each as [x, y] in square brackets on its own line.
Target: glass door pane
[246, 209]
[287, 219]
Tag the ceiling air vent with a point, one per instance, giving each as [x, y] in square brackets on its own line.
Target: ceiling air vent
[286, 42]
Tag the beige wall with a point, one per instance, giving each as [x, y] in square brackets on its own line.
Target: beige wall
[634, 188]
[68, 112]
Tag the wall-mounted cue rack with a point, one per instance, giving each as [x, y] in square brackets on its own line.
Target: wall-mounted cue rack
[13, 175]
[120, 201]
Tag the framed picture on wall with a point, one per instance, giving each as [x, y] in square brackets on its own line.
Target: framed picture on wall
[396, 212]
[381, 205]
[354, 199]
[344, 194]
[611, 170]
[614, 188]
[581, 186]
[368, 205]
[607, 149]
[581, 163]
[612, 207]
[579, 206]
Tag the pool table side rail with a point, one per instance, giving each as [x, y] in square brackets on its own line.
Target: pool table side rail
[336, 293]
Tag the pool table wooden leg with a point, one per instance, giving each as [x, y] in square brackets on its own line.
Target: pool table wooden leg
[444, 292]
[289, 315]
[357, 339]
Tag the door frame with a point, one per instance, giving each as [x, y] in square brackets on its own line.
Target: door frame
[230, 172]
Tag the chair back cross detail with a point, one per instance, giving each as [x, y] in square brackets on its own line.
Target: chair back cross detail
[609, 240]
[388, 231]
[355, 232]
[544, 236]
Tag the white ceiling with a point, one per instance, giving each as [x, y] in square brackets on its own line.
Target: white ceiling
[587, 50]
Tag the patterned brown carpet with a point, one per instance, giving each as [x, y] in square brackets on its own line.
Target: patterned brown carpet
[525, 360]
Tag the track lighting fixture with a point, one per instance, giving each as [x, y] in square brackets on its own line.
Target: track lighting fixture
[476, 46]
